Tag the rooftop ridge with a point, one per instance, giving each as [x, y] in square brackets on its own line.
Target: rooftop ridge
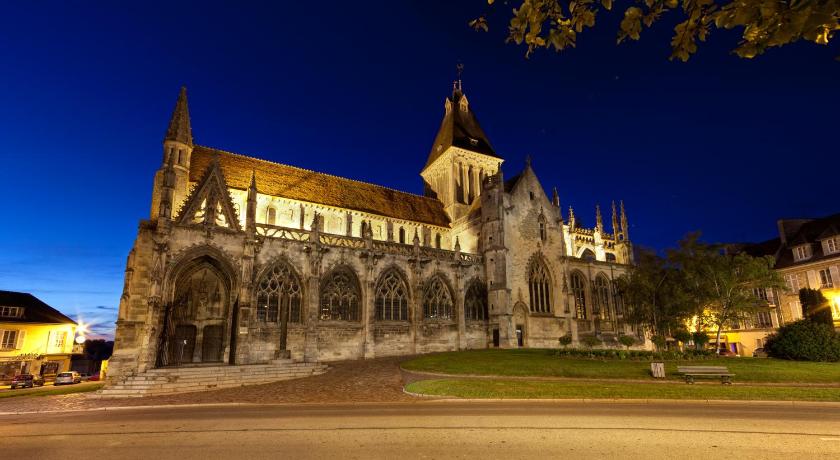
[317, 172]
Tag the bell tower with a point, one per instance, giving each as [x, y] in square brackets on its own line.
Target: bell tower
[177, 151]
[461, 156]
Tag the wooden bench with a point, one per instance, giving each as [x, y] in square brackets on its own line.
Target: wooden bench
[692, 372]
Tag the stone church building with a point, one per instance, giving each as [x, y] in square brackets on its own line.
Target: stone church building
[244, 260]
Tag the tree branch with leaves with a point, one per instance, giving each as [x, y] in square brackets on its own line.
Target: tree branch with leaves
[763, 24]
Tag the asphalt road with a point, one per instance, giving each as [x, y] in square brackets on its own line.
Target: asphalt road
[431, 430]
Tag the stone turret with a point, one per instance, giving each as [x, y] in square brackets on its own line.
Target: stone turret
[177, 150]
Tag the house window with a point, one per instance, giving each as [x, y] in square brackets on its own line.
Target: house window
[831, 245]
[760, 294]
[59, 339]
[792, 281]
[11, 312]
[763, 320]
[802, 252]
[8, 340]
[825, 279]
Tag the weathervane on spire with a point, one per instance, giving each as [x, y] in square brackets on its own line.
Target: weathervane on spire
[459, 68]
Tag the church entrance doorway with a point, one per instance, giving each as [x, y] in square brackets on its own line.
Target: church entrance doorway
[520, 335]
[183, 346]
[211, 349]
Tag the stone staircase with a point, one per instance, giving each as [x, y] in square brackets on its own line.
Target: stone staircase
[166, 381]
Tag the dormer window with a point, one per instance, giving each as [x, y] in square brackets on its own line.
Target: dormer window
[831, 245]
[802, 252]
[473, 142]
[11, 312]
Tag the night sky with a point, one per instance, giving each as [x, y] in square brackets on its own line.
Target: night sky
[719, 144]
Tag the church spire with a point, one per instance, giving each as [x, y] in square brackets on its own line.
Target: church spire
[179, 129]
[625, 227]
[615, 228]
[251, 210]
[599, 221]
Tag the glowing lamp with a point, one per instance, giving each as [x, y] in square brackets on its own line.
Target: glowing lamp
[80, 339]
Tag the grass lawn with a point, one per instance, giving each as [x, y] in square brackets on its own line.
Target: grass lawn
[523, 389]
[49, 391]
[543, 363]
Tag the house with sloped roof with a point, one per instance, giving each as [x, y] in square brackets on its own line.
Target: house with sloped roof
[34, 337]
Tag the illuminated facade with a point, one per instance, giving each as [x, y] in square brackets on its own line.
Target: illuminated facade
[807, 254]
[245, 260]
[34, 337]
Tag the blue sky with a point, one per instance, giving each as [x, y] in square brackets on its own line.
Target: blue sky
[719, 144]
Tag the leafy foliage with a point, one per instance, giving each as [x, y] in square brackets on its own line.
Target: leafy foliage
[700, 339]
[682, 335]
[654, 294]
[720, 284]
[635, 355]
[627, 340]
[764, 23]
[815, 306]
[805, 340]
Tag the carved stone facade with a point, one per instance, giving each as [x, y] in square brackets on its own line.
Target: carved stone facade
[245, 261]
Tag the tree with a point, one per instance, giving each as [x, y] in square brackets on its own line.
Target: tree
[654, 295]
[763, 23]
[815, 306]
[627, 340]
[805, 340]
[682, 336]
[700, 339]
[722, 284]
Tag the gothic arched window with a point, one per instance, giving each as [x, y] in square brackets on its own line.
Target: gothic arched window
[437, 300]
[587, 254]
[539, 287]
[279, 291]
[437, 240]
[391, 298]
[271, 216]
[579, 293]
[543, 233]
[475, 302]
[602, 297]
[402, 235]
[340, 296]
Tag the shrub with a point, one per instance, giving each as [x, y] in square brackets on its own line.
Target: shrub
[635, 355]
[565, 341]
[683, 336]
[805, 340]
[627, 340]
[591, 341]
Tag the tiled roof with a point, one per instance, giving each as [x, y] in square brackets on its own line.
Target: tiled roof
[460, 129]
[35, 311]
[300, 184]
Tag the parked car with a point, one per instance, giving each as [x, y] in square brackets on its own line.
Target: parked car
[26, 381]
[759, 353]
[67, 378]
[85, 376]
[94, 377]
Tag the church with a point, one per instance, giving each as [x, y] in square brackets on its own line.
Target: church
[245, 261]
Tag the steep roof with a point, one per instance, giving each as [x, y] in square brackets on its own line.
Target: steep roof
[810, 232]
[314, 187]
[179, 125]
[35, 311]
[459, 128]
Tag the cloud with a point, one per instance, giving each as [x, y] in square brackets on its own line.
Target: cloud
[103, 307]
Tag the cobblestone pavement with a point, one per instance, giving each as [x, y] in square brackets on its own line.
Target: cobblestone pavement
[375, 380]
